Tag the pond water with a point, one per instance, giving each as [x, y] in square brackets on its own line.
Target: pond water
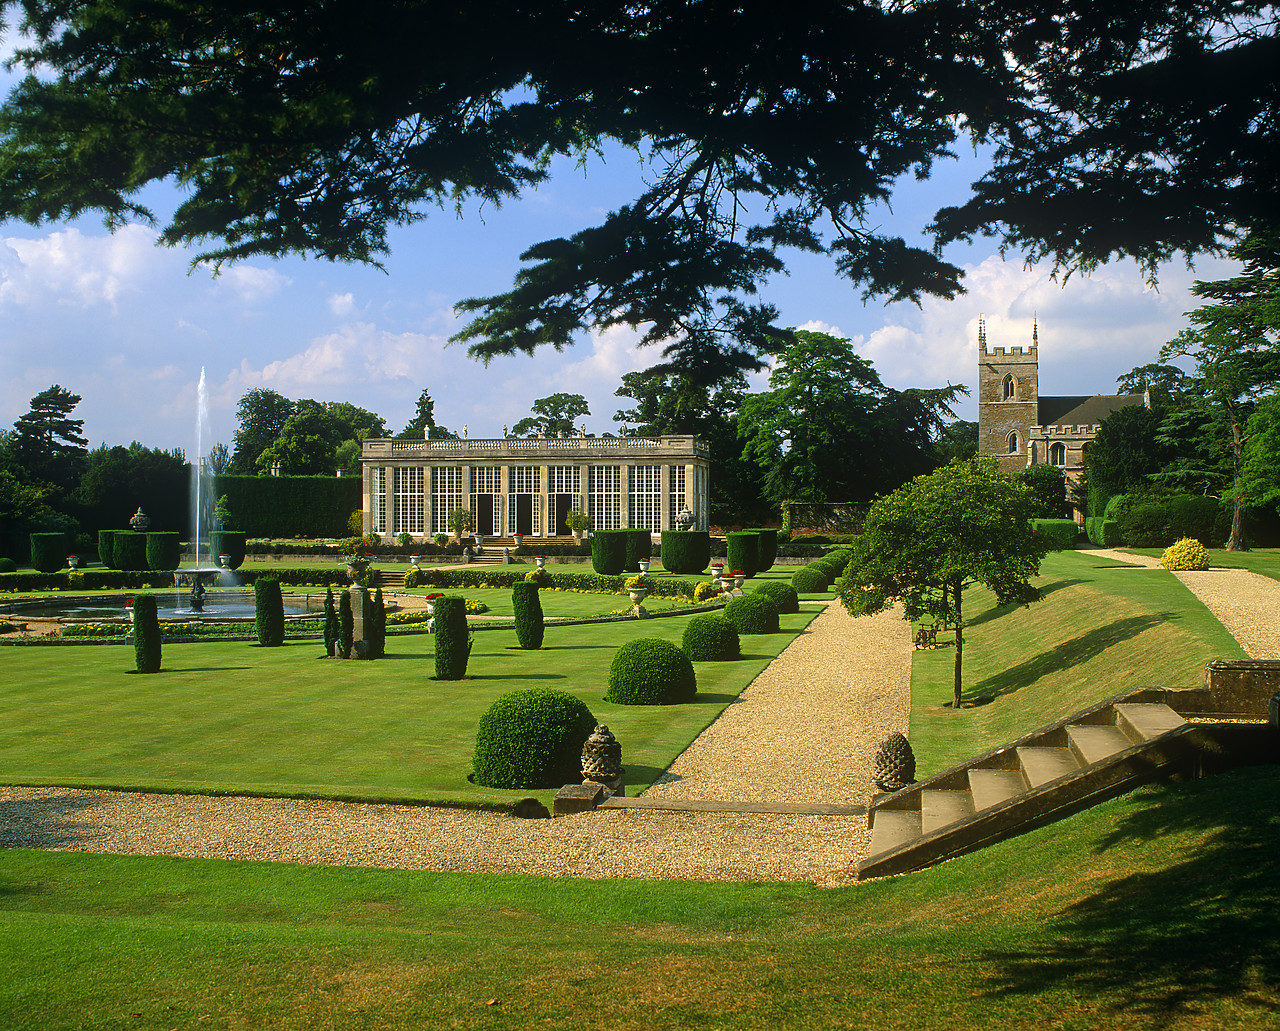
[170, 605]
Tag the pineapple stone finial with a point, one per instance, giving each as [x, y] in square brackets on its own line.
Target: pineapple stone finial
[895, 764]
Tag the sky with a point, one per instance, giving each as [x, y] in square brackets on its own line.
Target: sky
[128, 325]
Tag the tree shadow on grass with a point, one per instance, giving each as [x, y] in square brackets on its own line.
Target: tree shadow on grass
[1070, 653]
[1158, 945]
[1003, 610]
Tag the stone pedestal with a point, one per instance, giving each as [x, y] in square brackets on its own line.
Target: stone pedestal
[578, 798]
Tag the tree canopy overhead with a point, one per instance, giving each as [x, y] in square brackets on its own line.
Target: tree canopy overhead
[313, 126]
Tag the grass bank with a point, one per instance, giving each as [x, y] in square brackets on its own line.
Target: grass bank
[1101, 629]
[1153, 911]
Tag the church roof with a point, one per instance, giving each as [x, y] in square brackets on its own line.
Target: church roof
[1083, 411]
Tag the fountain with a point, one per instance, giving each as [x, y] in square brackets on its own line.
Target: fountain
[201, 576]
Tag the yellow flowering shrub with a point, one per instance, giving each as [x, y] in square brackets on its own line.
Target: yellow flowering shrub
[1185, 554]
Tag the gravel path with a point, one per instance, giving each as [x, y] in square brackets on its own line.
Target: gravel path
[802, 732]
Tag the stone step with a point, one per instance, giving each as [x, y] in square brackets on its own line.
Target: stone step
[1092, 744]
[991, 787]
[1042, 765]
[891, 828]
[1142, 721]
[940, 808]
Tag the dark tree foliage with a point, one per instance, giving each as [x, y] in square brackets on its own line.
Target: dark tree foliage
[552, 416]
[423, 424]
[47, 442]
[260, 416]
[1049, 484]
[1125, 452]
[117, 480]
[315, 128]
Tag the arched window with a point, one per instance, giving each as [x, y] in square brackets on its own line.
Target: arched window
[1058, 455]
[1010, 387]
[1013, 443]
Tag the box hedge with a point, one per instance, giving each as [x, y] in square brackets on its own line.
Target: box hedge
[711, 638]
[783, 595]
[743, 549]
[768, 546]
[639, 546]
[164, 550]
[753, 614]
[527, 606]
[810, 580]
[146, 634]
[685, 552]
[106, 548]
[1059, 534]
[532, 739]
[651, 671]
[48, 551]
[129, 549]
[268, 612]
[231, 543]
[452, 638]
[609, 552]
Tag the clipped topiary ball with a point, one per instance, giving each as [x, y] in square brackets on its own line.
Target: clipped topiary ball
[753, 614]
[532, 739]
[810, 580]
[1186, 554]
[651, 671]
[8, 565]
[711, 638]
[783, 595]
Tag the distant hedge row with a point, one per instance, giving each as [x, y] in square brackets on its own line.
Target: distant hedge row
[291, 506]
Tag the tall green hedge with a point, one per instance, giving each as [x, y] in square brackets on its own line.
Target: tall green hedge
[1060, 534]
[231, 543]
[453, 639]
[268, 612]
[639, 545]
[164, 550]
[530, 627]
[685, 552]
[146, 634]
[106, 548]
[48, 551]
[768, 546]
[129, 549]
[609, 552]
[744, 552]
[291, 506]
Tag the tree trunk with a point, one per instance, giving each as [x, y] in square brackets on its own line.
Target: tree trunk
[955, 701]
[1236, 541]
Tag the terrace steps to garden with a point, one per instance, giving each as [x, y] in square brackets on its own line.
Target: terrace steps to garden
[1144, 735]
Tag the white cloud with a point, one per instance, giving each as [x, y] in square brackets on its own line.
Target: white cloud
[342, 305]
[72, 269]
[251, 284]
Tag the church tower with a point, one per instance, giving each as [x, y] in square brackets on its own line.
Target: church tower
[1008, 399]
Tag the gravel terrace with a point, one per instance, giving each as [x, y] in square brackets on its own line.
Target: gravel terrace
[820, 708]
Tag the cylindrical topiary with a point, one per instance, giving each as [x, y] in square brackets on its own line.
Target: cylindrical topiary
[164, 551]
[744, 552]
[268, 612]
[530, 627]
[753, 614]
[330, 624]
[685, 552]
[377, 635]
[532, 739]
[783, 595]
[106, 548]
[1186, 554]
[346, 626]
[810, 580]
[711, 638]
[130, 550]
[768, 546]
[453, 640]
[146, 634]
[609, 552]
[639, 546]
[651, 671]
[230, 543]
[48, 551]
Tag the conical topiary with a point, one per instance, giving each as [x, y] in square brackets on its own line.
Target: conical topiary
[895, 764]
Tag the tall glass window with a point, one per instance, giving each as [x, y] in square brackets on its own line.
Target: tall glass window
[378, 516]
[446, 495]
[677, 496]
[523, 510]
[645, 503]
[408, 499]
[605, 493]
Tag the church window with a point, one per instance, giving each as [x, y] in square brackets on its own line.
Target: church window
[1013, 443]
[1010, 387]
[1058, 455]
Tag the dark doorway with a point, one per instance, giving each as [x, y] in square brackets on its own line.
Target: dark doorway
[522, 513]
[484, 514]
[561, 506]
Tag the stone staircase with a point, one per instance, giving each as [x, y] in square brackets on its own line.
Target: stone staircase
[1142, 736]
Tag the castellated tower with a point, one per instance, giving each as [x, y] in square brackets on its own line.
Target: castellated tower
[1008, 399]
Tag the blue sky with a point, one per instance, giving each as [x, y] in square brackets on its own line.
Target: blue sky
[128, 325]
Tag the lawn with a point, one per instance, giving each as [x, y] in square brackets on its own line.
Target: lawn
[1101, 629]
[234, 717]
[1152, 912]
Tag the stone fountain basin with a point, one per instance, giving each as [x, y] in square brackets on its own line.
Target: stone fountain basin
[219, 607]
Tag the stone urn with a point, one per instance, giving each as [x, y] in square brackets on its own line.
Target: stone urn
[541, 560]
[140, 521]
[638, 595]
[644, 565]
[224, 560]
[73, 561]
[685, 519]
[716, 569]
[416, 559]
[738, 577]
[357, 566]
[519, 539]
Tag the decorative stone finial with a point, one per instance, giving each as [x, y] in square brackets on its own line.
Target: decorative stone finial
[140, 520]
[601, 756]
[895, 764]
[982, 331]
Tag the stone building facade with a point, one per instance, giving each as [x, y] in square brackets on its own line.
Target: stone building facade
[529, 485]
[1019, 426]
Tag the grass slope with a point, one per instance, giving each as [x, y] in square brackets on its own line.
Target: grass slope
[1100, 630]
[1153, 911]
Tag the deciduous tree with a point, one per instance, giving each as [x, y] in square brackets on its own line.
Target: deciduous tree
[552, 416]
[925, 544]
